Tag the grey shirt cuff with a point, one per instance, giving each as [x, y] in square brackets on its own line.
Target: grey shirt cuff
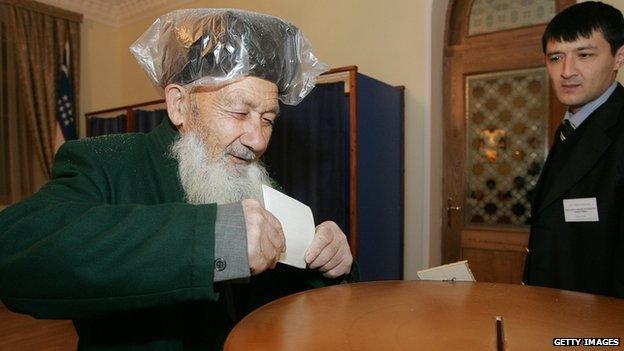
[230, 252]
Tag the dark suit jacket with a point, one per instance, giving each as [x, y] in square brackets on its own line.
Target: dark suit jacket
[582, 256]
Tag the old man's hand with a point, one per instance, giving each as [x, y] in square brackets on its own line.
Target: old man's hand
[265, 238]
[329, 251]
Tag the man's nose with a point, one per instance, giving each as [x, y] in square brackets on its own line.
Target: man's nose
[569, 68]
[254, 138]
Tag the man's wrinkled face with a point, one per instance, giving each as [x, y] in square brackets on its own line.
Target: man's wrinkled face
[224, 131]
[235, 122]
[581, 70]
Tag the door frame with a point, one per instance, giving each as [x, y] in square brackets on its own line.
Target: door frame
[464, 55]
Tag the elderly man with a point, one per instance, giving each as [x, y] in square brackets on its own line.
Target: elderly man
[577, 229]
[158, 241]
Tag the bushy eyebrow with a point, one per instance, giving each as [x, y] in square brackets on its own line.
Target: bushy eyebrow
[580, 48]
[586, 47]
[244, 100]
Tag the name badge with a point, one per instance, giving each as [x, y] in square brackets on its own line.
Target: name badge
[580, 210]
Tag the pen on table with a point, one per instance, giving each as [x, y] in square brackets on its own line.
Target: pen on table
[500, 334]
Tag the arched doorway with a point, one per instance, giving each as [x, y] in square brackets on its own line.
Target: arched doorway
[499, 117]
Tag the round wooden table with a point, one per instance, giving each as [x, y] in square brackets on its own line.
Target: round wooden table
[426, 315]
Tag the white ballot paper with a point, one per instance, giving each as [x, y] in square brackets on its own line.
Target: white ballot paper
[458, 271]
[297, 222]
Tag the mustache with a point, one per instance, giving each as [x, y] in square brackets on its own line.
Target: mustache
[240, 151]
[207, 180]
[570, 82]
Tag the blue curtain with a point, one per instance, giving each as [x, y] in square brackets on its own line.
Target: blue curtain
[145, 121]
[308, 155]
[380, 179]
[102, 126]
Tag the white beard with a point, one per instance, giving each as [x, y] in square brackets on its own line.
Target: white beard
[209, 181]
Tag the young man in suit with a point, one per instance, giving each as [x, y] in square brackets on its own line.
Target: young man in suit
[577, 229]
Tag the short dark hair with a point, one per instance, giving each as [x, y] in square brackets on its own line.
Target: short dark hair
[581, 20]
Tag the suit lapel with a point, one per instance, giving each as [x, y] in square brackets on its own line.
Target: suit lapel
[586, 152]
[538, 192]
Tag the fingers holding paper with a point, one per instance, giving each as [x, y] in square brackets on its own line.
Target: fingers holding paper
[265, 237]
[329, 251]
[324, 248]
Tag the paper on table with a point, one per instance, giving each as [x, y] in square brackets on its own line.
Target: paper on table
[297, 222]
[458, 271]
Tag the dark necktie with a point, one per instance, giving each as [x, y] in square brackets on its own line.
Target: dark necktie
[565, 129]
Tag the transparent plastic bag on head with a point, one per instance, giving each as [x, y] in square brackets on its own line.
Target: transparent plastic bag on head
[219, 46]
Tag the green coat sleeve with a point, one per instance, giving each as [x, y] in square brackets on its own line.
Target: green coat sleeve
[73, 250]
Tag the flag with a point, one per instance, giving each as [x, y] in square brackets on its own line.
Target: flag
[65, 102]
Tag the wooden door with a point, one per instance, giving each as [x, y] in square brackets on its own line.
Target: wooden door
[499, 118]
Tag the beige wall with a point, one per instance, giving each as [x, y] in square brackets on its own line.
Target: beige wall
[432, 201]
[619, 4]
[100, 70]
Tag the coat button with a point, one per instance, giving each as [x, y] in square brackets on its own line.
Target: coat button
[527, 250]
[220, 264]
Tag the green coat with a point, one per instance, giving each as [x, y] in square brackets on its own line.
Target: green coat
[110, 243]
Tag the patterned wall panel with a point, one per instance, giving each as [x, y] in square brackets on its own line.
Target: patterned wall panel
[506, 134]
[493, 15]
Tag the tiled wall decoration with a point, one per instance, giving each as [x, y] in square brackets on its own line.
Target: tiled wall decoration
[506, 144]
[493, 15]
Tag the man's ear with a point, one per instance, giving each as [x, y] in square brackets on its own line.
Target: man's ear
[178, 100]
[619, 58]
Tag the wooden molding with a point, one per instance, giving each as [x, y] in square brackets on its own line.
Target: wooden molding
[353, 162]
[495, 240]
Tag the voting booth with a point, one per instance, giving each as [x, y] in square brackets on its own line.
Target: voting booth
[340, 151]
